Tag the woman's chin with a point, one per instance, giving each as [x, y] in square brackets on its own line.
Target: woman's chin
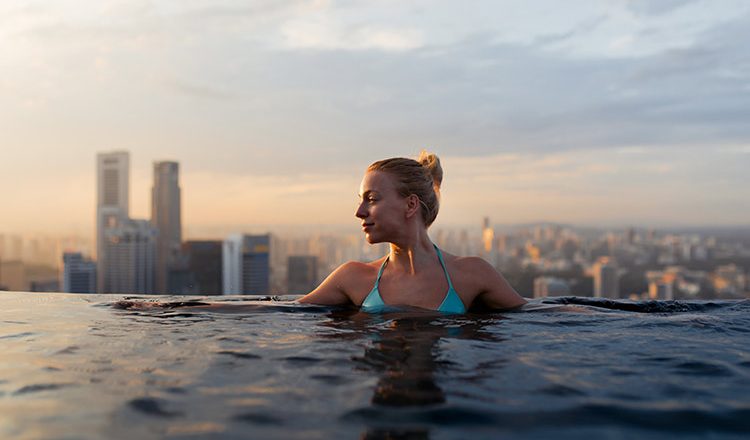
[372, 239]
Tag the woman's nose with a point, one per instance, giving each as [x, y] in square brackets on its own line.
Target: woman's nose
[361, 211]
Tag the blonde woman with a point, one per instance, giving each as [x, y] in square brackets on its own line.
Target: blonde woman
[399, 201]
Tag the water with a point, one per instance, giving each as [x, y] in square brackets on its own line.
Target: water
[86, 366]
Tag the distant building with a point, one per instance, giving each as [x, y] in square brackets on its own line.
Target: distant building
[302, 274]
[729, 279]
[246, 264]
[166, 218]
[661, 290]
[488, 235]
[180, 279]
[606, 279]
[200, 272]
[112, 202]
[550, 286]
[79, 273]
[13, 276]
[129, 253]
[49, 285]
[11, 247]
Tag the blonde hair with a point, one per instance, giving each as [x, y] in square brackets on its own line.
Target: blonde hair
[421, 177]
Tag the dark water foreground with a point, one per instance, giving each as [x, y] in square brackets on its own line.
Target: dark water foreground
[93, 366]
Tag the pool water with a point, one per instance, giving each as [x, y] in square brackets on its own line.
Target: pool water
[106, 366]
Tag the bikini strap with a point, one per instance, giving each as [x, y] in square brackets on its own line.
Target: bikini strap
[380, 272]
[442, 263]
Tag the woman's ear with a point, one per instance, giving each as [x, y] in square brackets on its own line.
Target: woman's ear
[412, 205]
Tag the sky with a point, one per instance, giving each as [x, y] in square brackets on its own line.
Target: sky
[601, 112]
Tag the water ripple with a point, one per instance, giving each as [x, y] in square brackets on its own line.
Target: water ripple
[40, 387]
[18, 335]
[152, 407]
[683, 420]
[239, 354]
[697, 368]
[258, 419]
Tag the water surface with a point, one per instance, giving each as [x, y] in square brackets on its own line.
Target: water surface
[93, 366]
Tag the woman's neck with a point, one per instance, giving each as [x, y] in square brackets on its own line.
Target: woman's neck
[412, 254]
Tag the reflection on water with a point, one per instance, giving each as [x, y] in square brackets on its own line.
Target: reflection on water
[404, 353]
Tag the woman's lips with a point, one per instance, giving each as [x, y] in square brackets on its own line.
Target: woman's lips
[366, 226]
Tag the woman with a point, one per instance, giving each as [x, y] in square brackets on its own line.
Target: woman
[399, 202]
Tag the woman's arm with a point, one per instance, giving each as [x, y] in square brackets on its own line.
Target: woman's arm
[332, 291]
[494, 290]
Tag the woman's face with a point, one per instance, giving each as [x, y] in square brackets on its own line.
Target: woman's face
[381, 208]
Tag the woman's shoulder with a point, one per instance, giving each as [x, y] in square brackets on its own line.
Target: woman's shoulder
[472, 265]
[349, 283]
[361, 267]
[470, 274]
[355, 273]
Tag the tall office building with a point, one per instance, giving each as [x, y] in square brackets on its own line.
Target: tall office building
[129, 250]
[79, 274]
[199, 270]
[13, 276]
[165, 216]
[550, 286]
[661, 285]
[488, 234]
[606, 280]
[302, 274]
[112, 202]
[246, 264]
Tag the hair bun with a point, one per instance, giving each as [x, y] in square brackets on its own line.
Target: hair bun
[432, 163]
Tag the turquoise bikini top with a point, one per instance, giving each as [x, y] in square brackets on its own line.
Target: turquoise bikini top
[452, 303]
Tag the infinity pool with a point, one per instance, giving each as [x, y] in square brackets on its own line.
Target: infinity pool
[106, 366]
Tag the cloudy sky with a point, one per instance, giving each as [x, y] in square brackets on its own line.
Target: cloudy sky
[591, 112]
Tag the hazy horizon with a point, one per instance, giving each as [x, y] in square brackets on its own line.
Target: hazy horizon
[613, 114]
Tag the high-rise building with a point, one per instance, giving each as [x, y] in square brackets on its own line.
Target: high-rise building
[128, 250]
[200, 271]
[79, 273]
[11, 247]
[302, 274]
[661, 285]
[180, 280]
[488, 234]
[166, 217]
[246, 264]
[606, 279]
[112, 202]
[13, 275]
[550, 286]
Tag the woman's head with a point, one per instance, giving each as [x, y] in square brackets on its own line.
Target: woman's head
[421, 177]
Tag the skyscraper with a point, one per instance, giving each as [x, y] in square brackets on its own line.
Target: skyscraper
[246, 264]
[200, 270]
[13, 276]
[606, 282]
[302, 274]
[488, 235]
[129, 250]
[550, 286]
[166, 217]
[112, 201]
[79, 274]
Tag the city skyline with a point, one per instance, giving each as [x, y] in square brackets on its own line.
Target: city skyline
[610, 113]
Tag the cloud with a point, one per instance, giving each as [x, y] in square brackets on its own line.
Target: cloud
[199, 91]
[579, 30]
[326, 35]
[660, 7]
